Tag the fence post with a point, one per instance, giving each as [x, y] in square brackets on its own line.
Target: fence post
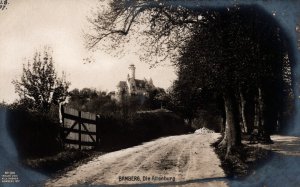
[62, 122]
[97, 129]
[79, 128]
[60, 113]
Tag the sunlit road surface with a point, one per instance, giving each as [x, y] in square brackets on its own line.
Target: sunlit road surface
[185, 160]
[191, 160]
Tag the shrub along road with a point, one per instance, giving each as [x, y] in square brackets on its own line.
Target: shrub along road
[165, 160]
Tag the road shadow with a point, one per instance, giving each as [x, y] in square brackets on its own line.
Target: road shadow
[286, 145]
[282, 169]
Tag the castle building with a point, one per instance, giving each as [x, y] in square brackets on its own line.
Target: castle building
[133, 86]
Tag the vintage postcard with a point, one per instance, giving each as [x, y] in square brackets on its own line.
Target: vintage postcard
[149, 93]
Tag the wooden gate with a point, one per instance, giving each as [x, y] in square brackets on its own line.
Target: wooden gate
[79, 129]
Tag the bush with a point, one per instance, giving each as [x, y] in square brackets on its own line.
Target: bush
[139, 127]
[209, 120]
[34, 134]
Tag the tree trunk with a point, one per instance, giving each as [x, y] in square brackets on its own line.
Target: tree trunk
[223, 143]
[263, 116]
[232, 136]
[258, 118]
[243, 112]
[223, 125]
[261, 105]
[223, 114]
[269, 113]
[250, 111]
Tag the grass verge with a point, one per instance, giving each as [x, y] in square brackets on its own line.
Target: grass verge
[61, 162]
[243, 160]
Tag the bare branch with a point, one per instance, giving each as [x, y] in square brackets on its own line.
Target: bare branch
[164, 24]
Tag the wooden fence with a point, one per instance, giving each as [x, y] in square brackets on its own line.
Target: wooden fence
[79, 129]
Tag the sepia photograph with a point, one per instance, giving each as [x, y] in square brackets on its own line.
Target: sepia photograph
[191, 93]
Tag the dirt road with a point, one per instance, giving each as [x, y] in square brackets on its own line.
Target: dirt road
[165, 160]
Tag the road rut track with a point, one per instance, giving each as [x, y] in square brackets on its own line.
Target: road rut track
[184, 157]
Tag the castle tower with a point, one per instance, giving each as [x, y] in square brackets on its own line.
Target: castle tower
[132, 71]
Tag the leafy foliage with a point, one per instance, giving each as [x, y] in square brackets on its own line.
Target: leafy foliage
[237, 51]
[100, 102]
[94, 101]
[35, 134]
[39, 86]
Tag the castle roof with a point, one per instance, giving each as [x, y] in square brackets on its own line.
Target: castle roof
[122, 84]
[140, 83]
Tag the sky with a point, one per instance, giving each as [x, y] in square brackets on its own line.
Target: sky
[27, 26]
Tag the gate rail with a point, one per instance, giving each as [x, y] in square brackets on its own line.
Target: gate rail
[79, 129]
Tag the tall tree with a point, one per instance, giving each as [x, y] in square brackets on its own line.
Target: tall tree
[245, 59]
[169, 25]
[39, 86]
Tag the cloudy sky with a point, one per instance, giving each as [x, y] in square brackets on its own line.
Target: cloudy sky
[28, 25]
